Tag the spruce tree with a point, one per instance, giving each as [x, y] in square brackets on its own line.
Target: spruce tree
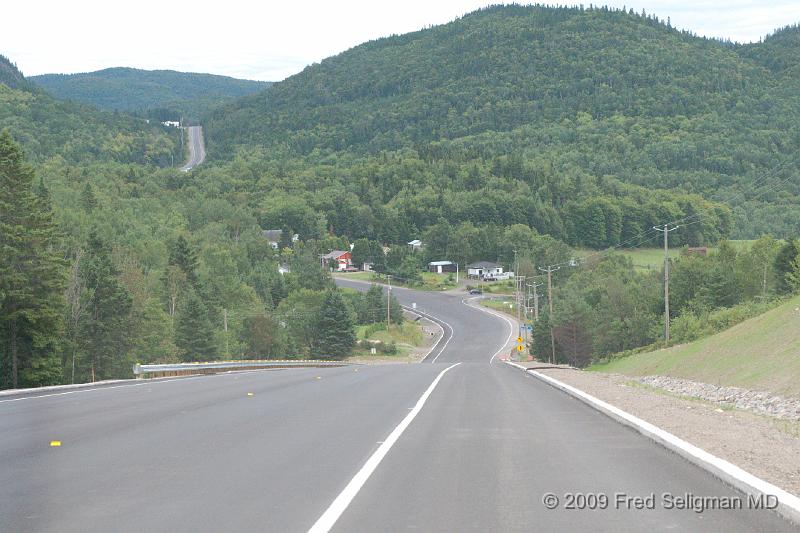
[104, 333]
[194, 335]
[182, 255]
[335, 336]
[31, 277]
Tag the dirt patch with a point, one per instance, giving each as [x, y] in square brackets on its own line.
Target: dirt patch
[766, 447]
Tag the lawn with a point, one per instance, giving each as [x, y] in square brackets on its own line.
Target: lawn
[653, 258]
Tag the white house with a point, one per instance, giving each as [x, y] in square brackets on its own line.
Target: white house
[484, 269]
[172, 123]
[415, 245]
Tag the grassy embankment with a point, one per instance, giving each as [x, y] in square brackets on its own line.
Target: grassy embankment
[761, 353]
[430, 281]
[406, 339]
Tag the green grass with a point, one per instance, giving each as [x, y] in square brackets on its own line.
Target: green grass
[500, 305]
[653, 258]
[760, 353]
[430, 280]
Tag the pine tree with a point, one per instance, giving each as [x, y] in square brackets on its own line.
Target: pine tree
[783, 264]
[31, 277]
[104, 333]
[194, 335]
[335, 336]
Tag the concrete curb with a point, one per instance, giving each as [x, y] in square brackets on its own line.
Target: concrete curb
[788, 504]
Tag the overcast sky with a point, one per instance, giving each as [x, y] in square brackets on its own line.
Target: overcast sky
[270, 40]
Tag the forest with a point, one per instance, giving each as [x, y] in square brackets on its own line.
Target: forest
[164, 94]
[553, 107]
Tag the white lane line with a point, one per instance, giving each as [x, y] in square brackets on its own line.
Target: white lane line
[500, 315]
[342, 501]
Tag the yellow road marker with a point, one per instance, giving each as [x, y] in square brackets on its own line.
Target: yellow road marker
[319, 377]
[55, 443]
[249, 393]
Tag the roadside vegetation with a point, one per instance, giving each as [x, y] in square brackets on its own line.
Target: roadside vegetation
[758, 353]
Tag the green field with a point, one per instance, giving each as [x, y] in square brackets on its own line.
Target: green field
[761, 353]
[653, 258]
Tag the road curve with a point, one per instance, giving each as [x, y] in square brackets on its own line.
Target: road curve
[201, 454]
[197, 149]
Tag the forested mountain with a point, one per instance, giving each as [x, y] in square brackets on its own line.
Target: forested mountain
[110, 256]
[128, 89]
[47, 127]
[559, 118]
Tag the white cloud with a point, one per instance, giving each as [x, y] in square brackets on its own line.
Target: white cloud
[272, 40]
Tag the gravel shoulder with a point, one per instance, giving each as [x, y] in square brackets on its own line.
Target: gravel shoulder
[766, 447]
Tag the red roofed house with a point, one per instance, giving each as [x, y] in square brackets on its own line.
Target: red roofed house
[343, 259]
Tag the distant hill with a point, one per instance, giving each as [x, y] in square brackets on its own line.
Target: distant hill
[134, 90]
[759, 353]
[564, 105]
[48, 127]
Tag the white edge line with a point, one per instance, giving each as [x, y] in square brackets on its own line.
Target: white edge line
[429, 319]
[788, 504]
[146, 382]
[325, 522]
[508, 321]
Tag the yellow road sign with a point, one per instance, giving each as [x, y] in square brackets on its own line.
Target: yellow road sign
[519, 339]
[520, 348]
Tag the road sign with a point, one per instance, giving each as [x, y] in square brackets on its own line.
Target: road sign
[520, 348]
[519, 339]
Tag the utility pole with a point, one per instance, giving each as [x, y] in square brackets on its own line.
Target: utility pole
[225, 325]
[666, 229]
[535, 287]
[550, 271]
[389, 303]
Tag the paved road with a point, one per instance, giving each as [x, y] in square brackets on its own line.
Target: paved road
[197, 150]
[199, 454]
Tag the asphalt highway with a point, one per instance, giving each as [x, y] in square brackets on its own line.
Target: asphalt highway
[197, 150]
[350, 449]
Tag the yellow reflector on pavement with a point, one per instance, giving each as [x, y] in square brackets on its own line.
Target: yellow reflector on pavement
[55, 443]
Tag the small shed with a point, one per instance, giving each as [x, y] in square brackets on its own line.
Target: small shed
[440, 267]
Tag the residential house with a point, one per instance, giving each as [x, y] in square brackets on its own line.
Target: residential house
[342, 259]
[484, 269]
[273, 237]
[415, 245]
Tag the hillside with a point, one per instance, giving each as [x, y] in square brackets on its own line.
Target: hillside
[557, 105]
[760, 353]
[47, 127]
[135, 90]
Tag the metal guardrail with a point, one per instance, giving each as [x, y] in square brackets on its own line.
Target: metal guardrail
[185, 369]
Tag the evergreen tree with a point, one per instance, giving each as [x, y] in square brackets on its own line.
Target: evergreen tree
[88, 198]
[182, 255]
[104, 332]
[31, 277]
[374, 305]
[335, 336]
[194, 335]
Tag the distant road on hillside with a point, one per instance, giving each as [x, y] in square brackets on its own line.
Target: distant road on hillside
[197, 150]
